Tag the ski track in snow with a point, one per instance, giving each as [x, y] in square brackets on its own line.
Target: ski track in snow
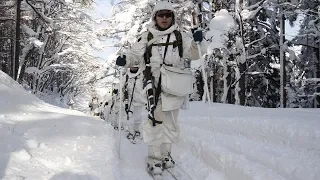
[243, 152]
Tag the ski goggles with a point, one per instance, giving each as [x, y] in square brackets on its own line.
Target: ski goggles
[167, 14]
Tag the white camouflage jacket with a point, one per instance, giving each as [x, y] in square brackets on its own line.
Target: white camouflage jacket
[190, 51]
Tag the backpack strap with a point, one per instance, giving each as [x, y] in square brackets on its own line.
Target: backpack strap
[148, 53]
[126, 96]
[158, 90]
[179, 42]
[134, 85]
[112, 104]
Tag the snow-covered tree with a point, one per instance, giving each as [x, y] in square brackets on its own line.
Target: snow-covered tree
[7, 34]
[57, 47]
[242, 69]
[305, 70]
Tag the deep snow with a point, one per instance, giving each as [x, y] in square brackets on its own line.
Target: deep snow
[39, 141]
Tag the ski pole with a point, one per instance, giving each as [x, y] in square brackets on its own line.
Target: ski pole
[206, 89]
[120, 112]
[120, 109]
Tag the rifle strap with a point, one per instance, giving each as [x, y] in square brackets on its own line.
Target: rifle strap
[158, 90]
[134, 85]
[111, 106]
[125, 94]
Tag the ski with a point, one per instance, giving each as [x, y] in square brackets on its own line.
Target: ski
[155, 177]
[138, 140]
[173, 174]
[131, 138]
[178, 174]
[132, 141]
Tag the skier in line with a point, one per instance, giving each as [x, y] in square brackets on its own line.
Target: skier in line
[106, 109]
[93, 105]
[115, 107]
[136, 102]
[70, 103]
[166, 47]
[107, 105]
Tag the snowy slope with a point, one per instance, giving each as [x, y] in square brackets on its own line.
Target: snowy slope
[39, 141]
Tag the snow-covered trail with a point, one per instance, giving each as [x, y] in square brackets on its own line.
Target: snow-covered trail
[252, 143]
[39, 141]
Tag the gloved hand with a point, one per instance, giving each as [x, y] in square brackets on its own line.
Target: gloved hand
[197, 35]
[121, 61]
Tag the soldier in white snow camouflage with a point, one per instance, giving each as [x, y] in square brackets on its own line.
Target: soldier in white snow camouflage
[166, 48]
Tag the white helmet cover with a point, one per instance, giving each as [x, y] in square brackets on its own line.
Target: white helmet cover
[163, 6]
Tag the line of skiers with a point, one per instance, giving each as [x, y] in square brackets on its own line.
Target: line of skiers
[159, 79]
[134, 103]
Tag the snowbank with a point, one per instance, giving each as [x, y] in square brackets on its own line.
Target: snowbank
[39, 141]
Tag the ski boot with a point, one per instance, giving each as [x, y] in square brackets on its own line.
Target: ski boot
[130, 136]
[154, 167]
[137, 134]
[167, 162]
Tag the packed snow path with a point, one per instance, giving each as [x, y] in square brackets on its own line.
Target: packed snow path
[39, 141]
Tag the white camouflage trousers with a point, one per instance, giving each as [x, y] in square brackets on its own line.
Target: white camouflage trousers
[135, 119]
[115, 115]
[161, 137]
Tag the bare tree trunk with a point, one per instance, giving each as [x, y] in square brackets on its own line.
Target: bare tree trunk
[242, 84]
[212, 90]
[15, 62]
[242, 62]
[317, 68]
[229, 97]
[283, 98]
